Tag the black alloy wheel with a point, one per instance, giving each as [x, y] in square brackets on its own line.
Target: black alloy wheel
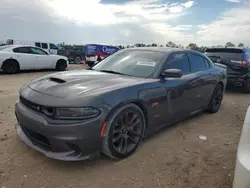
[61, 65]
[216, 99]
[10, 67]
[124, 132]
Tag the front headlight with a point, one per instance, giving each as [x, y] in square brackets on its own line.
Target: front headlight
[76, 113]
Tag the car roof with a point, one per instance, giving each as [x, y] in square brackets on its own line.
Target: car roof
[167, 50]
[16, 46]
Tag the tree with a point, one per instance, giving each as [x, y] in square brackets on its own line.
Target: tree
[241, 45]
[139, 45]
[121, 47]
[180, 46]
[171, 44]
[192, 46]
[161, 45]
[154, 45]
[229, 44]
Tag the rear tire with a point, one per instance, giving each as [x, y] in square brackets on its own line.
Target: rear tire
[216, 99]
[11, 67]
[61, 65]
[77, 60]
[124, 132]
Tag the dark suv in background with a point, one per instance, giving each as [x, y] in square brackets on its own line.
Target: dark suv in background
[237, 61]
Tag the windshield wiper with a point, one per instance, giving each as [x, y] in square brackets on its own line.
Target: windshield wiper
[113, 72]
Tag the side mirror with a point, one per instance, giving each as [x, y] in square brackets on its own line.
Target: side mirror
[172, 73]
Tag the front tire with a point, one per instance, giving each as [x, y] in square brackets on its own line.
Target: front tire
[10, 67]
[124, 132]
[61, 65]
[216, 99]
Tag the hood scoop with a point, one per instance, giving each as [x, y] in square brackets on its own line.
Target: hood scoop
[58, 80]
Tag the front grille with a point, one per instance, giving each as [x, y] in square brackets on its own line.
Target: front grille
[48, 111]
[37, 138]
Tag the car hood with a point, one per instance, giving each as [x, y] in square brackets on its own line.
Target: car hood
[81, 82]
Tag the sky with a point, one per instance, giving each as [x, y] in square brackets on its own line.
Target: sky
[126, 22]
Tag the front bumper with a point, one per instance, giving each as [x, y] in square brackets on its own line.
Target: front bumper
[68, 141]
[242, 167]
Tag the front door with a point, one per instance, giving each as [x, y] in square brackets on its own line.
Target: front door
[42, 59]
[180, 92]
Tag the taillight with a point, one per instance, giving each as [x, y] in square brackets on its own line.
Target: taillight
[244, 63]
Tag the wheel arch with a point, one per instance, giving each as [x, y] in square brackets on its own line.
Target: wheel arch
[220, 83]
[10, 59]
[136, 102]
[59, 60]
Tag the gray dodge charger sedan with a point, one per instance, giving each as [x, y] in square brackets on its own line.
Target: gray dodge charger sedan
[111, 107]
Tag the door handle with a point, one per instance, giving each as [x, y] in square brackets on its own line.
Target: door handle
[193, 84]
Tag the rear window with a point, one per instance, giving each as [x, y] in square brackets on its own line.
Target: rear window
[38, 44]
[52, 46]
[224, 50]
[44, 45]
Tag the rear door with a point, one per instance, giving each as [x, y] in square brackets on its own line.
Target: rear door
[24, 57]
[204, 79]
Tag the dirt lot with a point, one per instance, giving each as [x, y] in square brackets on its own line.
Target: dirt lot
[175, 157]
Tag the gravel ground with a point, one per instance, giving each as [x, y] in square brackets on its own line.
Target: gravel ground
[174, 157]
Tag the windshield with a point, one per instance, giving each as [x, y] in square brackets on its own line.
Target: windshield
[140, 63]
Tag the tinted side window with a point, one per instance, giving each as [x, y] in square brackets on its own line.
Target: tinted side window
[53, 47]
[207, 63]
[197, 63]
[37, 51]
[44, 45]
[21, 50]
[178, 61]
[38, 44]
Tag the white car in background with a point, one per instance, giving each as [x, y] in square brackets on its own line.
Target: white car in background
[14, 58]
[242, 167]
